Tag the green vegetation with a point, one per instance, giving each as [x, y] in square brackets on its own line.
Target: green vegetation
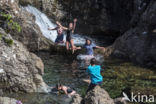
[82, 90]
[119, 75]
[12, 25]
[8, 41]
[10, 22]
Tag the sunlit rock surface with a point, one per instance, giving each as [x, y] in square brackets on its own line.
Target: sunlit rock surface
[20, 69]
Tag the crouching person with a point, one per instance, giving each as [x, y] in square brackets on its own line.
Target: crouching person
[94, 72]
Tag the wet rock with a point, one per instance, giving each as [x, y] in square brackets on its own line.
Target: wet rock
[98, 96]
[22, 70]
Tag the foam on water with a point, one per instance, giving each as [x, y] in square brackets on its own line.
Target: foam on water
[84, 60]
[98, 57]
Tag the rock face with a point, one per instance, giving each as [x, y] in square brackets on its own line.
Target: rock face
[30, 35]
[139, 42]
[6, 100]
[110, 16]
[20, 69]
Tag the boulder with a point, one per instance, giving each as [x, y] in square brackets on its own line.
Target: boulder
[21, 70]
[7, 100]
[98, 96]
[139, 42]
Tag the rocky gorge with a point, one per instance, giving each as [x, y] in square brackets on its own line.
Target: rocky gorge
[129, 28]
[129, 21]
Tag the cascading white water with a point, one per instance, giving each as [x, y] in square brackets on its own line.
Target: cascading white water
[44, 23]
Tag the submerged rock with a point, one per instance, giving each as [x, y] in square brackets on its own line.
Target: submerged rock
[22, 70]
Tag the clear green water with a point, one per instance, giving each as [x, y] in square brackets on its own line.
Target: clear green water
[118, 75]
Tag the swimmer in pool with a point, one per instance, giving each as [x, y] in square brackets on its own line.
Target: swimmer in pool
[66, 90]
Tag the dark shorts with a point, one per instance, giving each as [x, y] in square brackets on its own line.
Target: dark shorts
[69, 91]
[69, 38]
[59, 39]
[92, 86]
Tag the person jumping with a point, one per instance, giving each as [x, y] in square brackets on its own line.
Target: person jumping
[69, 38]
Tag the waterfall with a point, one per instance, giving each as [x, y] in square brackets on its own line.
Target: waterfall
[44, 23]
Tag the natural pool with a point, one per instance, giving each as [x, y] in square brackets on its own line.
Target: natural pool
[119, 76]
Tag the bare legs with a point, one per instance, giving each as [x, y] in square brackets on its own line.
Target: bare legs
[67, 45]
[73, 47]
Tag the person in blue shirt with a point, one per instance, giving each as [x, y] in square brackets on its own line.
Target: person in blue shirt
[89, 47]
[95, 74]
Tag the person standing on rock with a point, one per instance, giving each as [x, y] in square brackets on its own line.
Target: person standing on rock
[69, 38]
[95, 74]
[60, 35]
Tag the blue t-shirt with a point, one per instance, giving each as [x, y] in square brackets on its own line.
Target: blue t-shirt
[95, 73]
[89, 49]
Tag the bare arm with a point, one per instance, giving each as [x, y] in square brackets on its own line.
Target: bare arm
[63, 27]
[99, 47]
[65, 90]
[53, 28]
[75, 20]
